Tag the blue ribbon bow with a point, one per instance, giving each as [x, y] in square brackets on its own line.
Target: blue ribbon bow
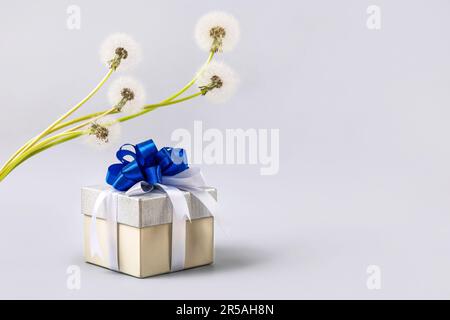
[149, 164]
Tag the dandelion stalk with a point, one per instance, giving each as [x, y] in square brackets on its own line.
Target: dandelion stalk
[72, 133]
[161, 103]
[118, 46]
[71, 111]
[41, 146]
[215, 32]
[33, 141]
[104, 114]
[191, 83]
[147, 108]
[215, 83]
[151, 107]
[76, 120]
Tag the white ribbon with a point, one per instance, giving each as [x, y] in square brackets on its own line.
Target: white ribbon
[189, 180]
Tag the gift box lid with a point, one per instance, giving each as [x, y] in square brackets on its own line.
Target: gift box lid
[141, 211]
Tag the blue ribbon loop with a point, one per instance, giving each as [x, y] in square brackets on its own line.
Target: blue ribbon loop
[147, 164]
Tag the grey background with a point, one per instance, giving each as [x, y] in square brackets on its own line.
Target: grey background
[364, 155]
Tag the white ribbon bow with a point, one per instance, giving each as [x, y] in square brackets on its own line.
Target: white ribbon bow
[190, 180]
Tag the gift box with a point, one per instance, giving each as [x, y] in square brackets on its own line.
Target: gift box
[136, 235]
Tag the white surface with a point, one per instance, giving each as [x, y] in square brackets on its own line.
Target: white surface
[365, 156]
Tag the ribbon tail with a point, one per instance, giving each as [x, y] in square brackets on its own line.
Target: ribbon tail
[192, 180]
[108, 200]
[94, 243]
[111, 220]
[210, 204]
[180, 212]
[204, 197]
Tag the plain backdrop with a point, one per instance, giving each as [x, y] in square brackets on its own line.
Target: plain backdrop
[363, 116]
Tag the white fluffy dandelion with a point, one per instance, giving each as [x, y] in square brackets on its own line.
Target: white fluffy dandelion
[103, 133]
[218, 82]
[217, 31]
[120, 51]
[127, 94]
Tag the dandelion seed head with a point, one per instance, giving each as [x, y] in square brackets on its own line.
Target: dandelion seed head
[103, 133]
[218, 82]
[123, 45]
[217, 31]
[129, 89]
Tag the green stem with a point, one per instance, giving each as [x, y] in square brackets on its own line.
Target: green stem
[47, 131]
[73, 121]
[80, 126]
[151, 107]
[172, 97]
[69, 135]
[58, 124]
[15, 154]
[43, 145]
[49, 145]
[190, 83]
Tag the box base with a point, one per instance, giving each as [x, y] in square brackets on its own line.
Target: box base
[145, 252]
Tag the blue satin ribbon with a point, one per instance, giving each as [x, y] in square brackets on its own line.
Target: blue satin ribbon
[148, 164]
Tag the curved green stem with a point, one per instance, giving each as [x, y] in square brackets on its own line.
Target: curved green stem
[151, 107]
[15, 154]
[46, 146]
[71, 111]
[73, 121]
[43, 145]
[80, 126]
[47, 131]
[32, 147]
[70, 135]
[171, 98]
[190, 83]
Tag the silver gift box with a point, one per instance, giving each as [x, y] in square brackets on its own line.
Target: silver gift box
[144, 232]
